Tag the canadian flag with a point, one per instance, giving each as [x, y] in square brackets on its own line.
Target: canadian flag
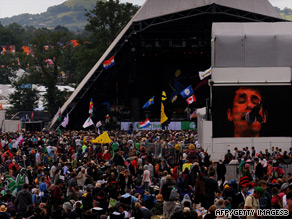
[191, 99]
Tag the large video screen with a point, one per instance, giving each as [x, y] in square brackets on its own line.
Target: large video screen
[251, 111]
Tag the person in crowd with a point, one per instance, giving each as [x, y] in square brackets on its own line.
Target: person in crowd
[168, 203]
[23, 200]
[211, 187]
[252, 201]
[78, 178]
[221, 171]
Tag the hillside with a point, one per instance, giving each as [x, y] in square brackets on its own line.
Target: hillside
[69, 14]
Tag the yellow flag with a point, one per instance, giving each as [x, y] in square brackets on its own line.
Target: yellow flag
[163, 117]
[164, 97]
[102, 139]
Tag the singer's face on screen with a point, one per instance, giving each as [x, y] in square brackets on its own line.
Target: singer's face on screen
[245, 99]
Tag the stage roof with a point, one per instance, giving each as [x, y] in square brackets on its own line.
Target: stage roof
[157, 8]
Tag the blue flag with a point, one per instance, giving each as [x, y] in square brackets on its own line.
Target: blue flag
[149, 102]
[187, 92]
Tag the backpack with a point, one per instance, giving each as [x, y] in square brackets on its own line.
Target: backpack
[173, 194]
[279, 204]
[275, 174]
[241, 206]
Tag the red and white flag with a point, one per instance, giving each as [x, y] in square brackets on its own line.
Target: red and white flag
[191, 99]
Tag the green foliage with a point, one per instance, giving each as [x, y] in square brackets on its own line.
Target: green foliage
[48, 73]
[105, 21]
[286, 13]
[8, 64]
[69, 14]
[23, 99]
[59, 99]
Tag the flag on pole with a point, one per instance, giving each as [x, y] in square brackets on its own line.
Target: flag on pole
[32, 115]
[149, 102]
[191, 99]
[174, 99]
[145, 124]
[204, 74]
[102, 139]
[163, 97]
[187, 92]
[59, 131]
[65, 121]
[194, 114]
[90, 107]
[163, 117]
[98, 124]
[18, 141]
[109, 63]
[88, 123]
[58, 115]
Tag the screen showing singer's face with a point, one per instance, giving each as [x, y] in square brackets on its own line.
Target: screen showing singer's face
[232, 104]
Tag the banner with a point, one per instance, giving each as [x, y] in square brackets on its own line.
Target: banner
[156, 125]
[188, 125]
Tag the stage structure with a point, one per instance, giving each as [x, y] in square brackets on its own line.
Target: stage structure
[250, 88]
[162, 48]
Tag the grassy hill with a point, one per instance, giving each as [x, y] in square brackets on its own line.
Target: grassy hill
[286, 16]
[69, 14]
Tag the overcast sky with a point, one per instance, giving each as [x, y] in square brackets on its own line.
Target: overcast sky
[9, 8]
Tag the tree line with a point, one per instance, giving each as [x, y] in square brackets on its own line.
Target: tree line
[53, 59]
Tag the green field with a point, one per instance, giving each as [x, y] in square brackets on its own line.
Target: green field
[286, 16]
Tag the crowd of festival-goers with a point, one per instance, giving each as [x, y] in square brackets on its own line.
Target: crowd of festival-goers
[47, 175]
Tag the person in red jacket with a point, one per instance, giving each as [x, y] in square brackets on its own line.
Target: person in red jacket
[13, 166]
[106, 156]
[57, 196]
[175, 173]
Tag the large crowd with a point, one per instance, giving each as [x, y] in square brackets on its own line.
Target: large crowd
[48, 175]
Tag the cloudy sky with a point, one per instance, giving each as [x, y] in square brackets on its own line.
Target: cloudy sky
[9, 8]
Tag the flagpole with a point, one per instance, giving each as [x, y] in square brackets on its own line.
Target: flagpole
[94, 124]
[117, 92]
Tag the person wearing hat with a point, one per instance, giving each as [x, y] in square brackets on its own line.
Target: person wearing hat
[156, 190]
[228, 192]
[285, 188]
[3, 212]
[252, 201]
[265, 202]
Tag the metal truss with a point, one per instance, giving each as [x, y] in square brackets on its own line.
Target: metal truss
[140, 26]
